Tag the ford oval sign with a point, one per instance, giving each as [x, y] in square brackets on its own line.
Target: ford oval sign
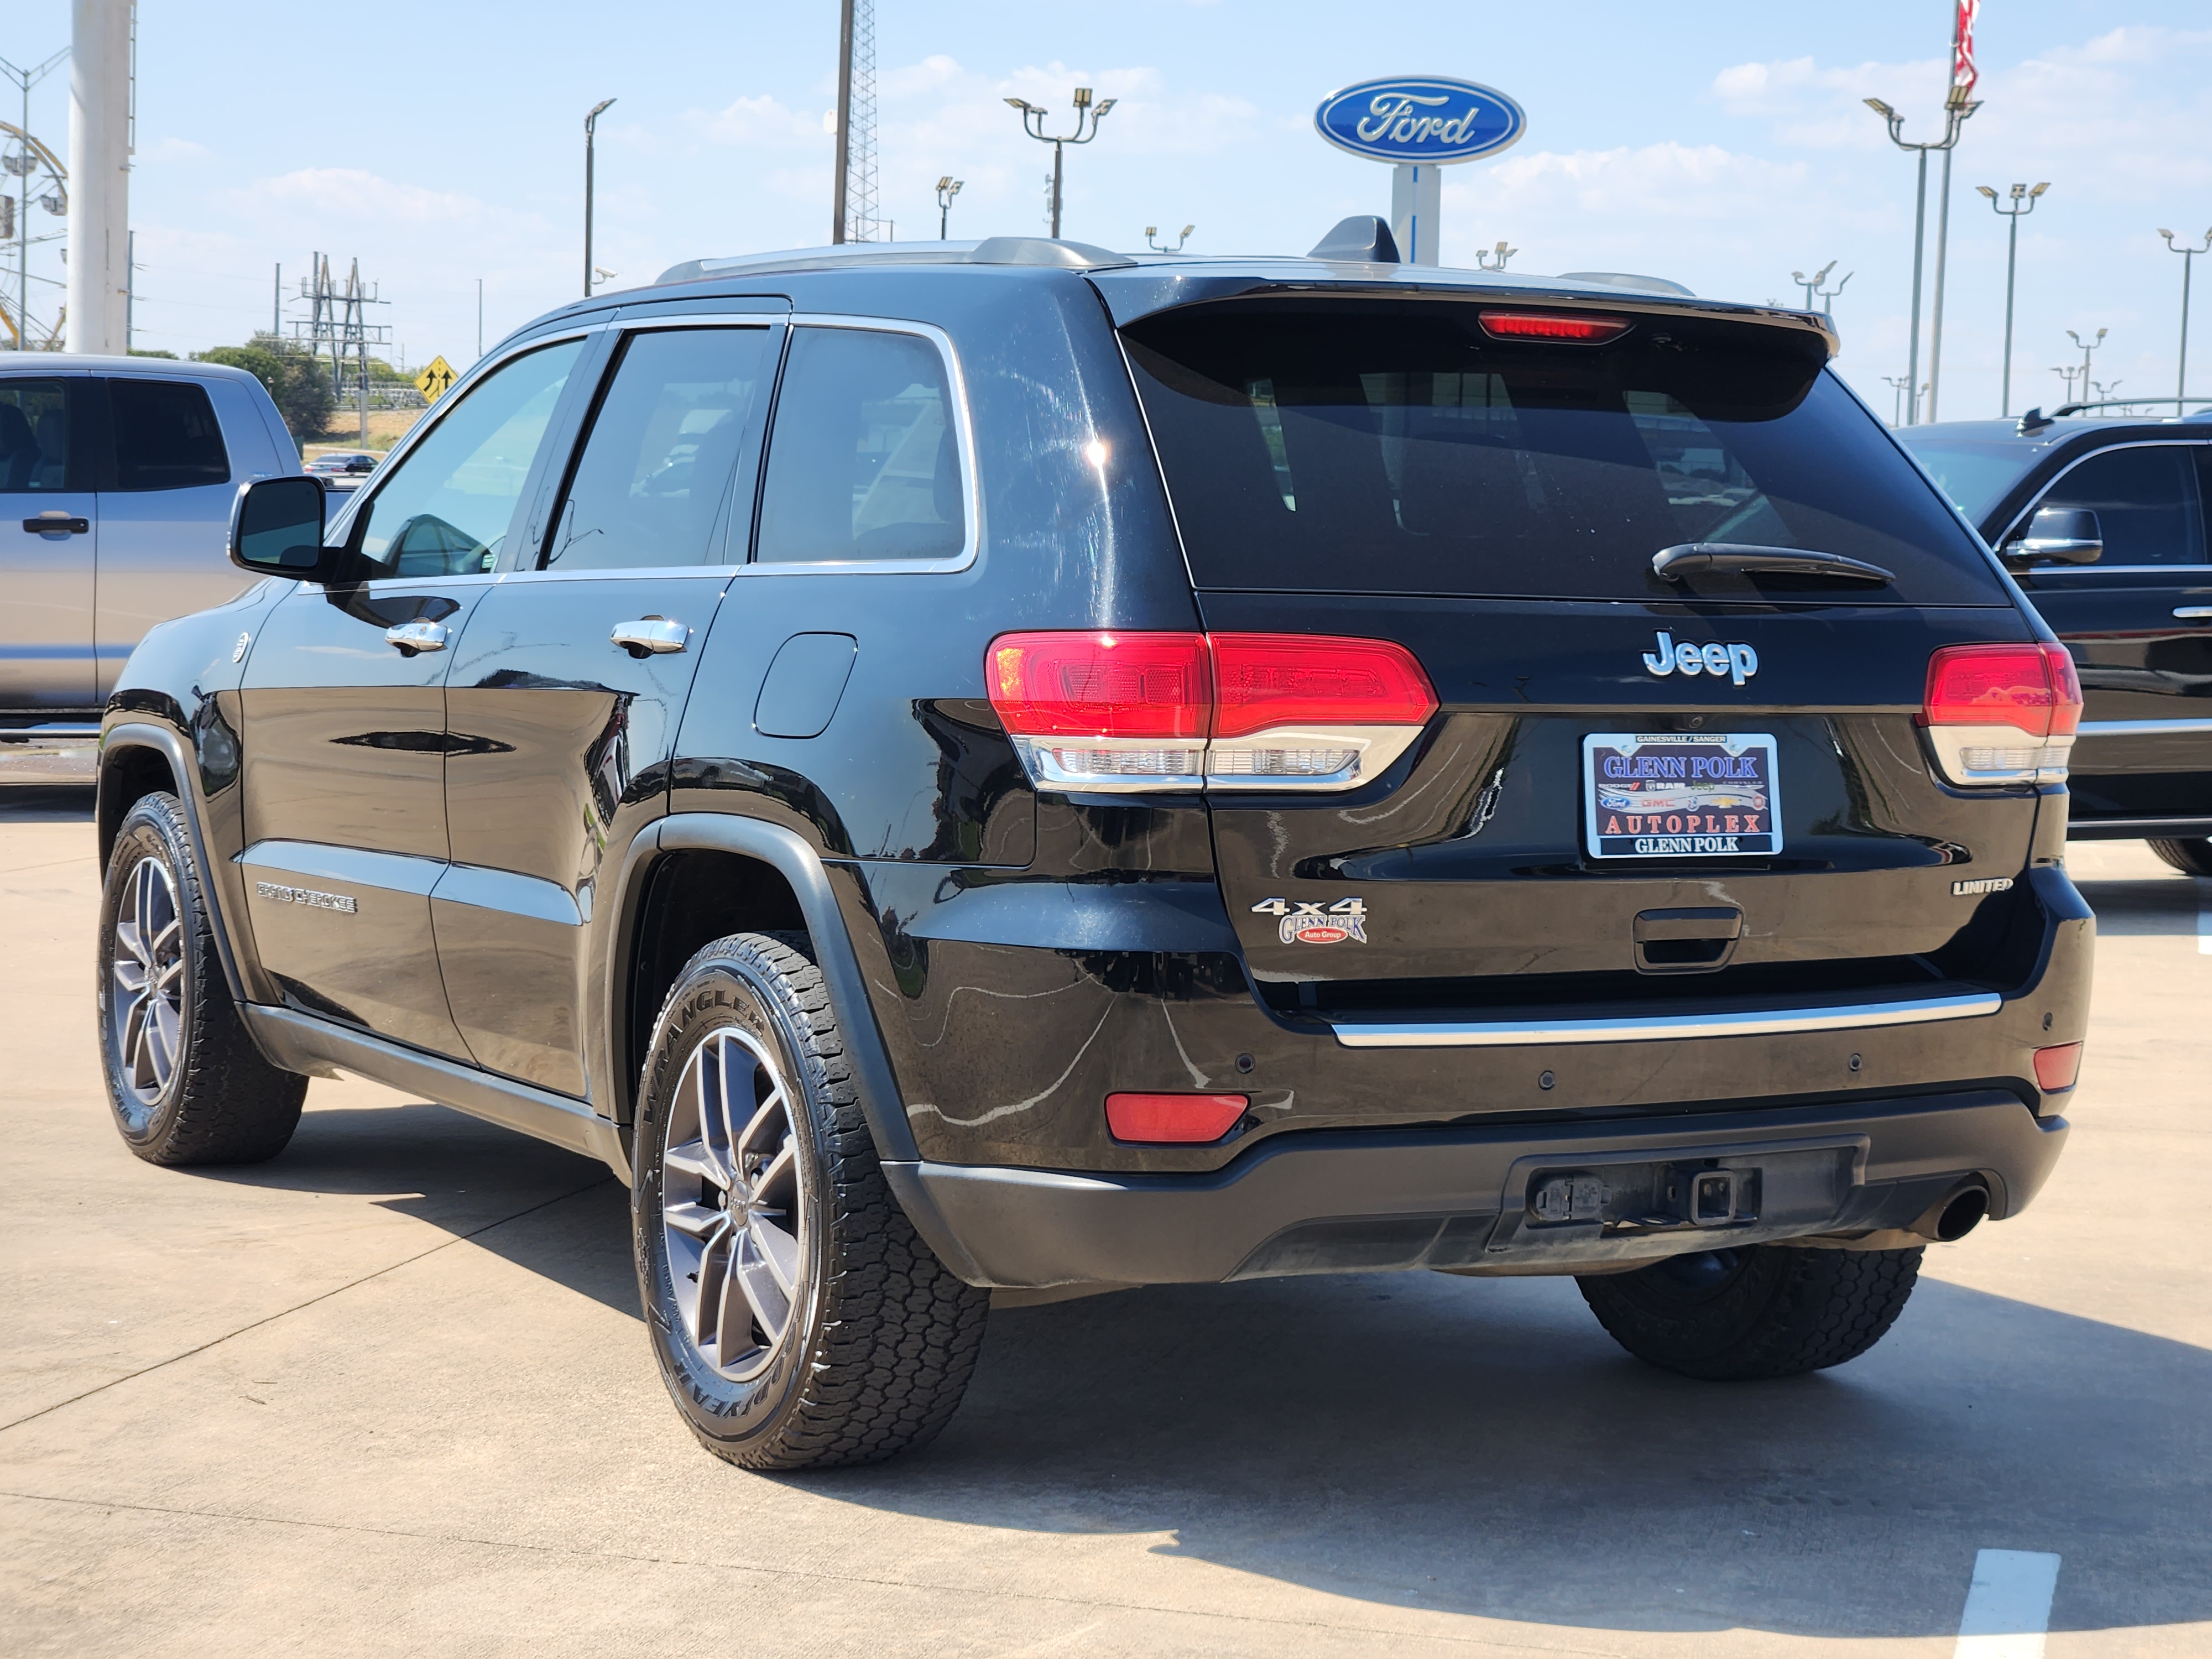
[1429, 117]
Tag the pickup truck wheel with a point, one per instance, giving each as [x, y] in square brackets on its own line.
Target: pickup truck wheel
[185, 1079]
[1764, 1311]
[799, 1321]
[2191, 857]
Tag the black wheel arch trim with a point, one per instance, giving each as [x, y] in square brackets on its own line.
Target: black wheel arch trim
[792, 857]
[140, 734]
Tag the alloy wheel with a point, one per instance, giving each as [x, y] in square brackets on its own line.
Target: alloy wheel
[149, 970]
[732, 1203]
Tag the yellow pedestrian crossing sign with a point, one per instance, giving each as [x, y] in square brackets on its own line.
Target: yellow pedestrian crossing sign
[436, 380]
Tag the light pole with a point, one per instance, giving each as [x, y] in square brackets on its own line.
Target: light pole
[1812, 284]
[1033, 119]
[947, 188]
[2023, 201]
[591, 127]
[1152, 231]
[2188, 258]
[1501, 253]
[2086, 347]
[1956, 109]
[1898, 384]
[25, 79]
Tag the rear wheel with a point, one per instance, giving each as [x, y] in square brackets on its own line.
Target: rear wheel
[1765, 1310]
[2191, 857]
[799, 1320]
[185, 1079]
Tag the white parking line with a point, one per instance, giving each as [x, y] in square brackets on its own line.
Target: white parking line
[2009, 1607]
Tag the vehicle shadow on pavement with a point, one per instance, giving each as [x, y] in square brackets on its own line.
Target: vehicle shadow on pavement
[2152, 906]
[1477, 1446]
[45, 803]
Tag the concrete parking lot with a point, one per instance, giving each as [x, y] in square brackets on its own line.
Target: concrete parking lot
[388, 1394]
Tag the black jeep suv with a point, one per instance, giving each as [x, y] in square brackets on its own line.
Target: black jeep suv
[984, 773]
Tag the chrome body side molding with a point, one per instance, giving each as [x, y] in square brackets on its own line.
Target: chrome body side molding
[1661, 1028]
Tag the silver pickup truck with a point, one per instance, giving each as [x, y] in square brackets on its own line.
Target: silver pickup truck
[116, 477]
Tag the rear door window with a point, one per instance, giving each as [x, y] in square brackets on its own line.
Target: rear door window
[1396, 448]
[166, 436]
[2147, 502]
[864, 462]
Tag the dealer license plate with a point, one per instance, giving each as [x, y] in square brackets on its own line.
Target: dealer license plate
[1680, 794]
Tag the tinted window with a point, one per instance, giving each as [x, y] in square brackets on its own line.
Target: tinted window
[1975, 472]
[863, 462]
[2146, 501]
[443, 509]
[1397, 448]
[33, 434]
[166, 435]
[651, 486]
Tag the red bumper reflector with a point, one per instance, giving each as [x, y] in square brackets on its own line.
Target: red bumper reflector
[2056, 1068]
[1186, 1119]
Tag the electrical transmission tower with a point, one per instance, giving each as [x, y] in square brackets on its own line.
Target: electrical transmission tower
[339, 320]
[863, 222]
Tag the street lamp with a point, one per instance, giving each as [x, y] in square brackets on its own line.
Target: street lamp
[591, 126]
[2086, 347]
[2188, 258]
[1033, 119]
[1152, 231]
[2023, 201]
[1897, 383]
[1956, 108]
[947, 188]
[1501, 253]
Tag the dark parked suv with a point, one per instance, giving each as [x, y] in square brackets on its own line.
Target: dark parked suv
[978, 775]
[2104, 521]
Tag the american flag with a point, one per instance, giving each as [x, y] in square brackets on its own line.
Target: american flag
[1963, 72]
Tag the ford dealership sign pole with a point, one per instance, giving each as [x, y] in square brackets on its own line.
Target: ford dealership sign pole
[1421, 123]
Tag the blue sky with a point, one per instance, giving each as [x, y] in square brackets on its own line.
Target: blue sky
[1722, 144]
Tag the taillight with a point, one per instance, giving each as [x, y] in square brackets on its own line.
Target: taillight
[1118, 712]
[1567, 327]
[1105, 710]
[2001, 713]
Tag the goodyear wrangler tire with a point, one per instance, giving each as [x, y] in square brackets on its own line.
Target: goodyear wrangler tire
[1765, 1311]
[798, 1319]
[185, 1079]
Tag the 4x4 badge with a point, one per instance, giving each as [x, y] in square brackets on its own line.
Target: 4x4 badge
[1313, 924]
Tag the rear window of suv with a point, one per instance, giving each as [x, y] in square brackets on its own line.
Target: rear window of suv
[1395, 447]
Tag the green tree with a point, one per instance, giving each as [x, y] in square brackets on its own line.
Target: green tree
[296, 384]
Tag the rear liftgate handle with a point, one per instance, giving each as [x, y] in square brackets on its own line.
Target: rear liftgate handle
[650, 636]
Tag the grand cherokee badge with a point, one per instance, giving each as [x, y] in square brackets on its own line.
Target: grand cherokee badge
[1308, 924]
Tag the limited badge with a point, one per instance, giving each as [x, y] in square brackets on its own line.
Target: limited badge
[1318, 923]
[1986, 884]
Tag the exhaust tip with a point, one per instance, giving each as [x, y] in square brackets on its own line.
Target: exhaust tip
[1962, 1214]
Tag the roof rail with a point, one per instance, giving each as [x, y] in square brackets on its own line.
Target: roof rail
[991, 251]
[2128, 403]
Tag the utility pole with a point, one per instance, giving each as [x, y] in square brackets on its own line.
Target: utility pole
[947, 188]
[101, 37]
[2188, 258]
[590, 130]
[1033, 119]
[276, 304]
[844, 122]
[480, 317]
[2023, 202]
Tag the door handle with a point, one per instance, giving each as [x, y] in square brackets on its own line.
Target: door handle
[52, 523]
[421, 635]
[650, 636]
[2192, 613]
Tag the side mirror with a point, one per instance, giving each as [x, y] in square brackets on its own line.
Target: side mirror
[276, 530]
[2060, 535]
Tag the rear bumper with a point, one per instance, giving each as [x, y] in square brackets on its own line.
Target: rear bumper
[1377, 1201]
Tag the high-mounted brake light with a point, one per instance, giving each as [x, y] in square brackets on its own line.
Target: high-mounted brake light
[2001, 713]
[1117, 712]
[1570, 327]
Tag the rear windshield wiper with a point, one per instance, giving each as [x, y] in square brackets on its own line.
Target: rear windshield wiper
[1700, 558]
